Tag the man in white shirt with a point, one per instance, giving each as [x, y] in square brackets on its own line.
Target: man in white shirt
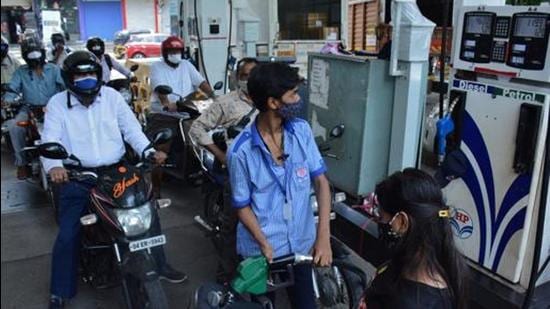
[59, 51]
[183, 78]
[92, 122]
[97, 47]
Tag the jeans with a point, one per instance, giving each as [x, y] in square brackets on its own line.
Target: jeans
[18, 135]
[73, 202]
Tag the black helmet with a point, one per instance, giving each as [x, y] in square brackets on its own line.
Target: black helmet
[33, 52]
[96, 46]
[80, 62]
[57, 38]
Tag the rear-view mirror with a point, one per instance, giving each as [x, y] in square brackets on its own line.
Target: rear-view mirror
[163, 89]
[54, 151]
[134, 67]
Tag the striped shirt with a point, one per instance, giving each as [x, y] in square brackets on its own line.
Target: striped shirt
[257, 181]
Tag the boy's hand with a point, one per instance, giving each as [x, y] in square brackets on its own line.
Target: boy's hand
[267, 251]
[322, 252]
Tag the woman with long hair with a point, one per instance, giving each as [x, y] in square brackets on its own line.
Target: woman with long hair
[425, 269]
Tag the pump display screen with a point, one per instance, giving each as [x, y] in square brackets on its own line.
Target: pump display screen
[479, 24]
[534, 27]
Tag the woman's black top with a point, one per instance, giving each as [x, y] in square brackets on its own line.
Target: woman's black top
[389, 291]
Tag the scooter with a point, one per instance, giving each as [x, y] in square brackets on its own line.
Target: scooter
[181, 161]
[119, 229]
[333, 287]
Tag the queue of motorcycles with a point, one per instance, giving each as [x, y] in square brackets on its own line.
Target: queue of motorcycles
[117, 235]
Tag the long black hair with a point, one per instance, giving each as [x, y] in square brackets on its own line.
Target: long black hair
[429, 240]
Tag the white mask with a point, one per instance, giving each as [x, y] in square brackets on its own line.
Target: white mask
[34, 55]
[243, 85]
[174, 58]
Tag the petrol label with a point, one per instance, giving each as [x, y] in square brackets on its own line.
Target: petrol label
[497, 91]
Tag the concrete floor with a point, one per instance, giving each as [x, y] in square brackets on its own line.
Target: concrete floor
[28, 232]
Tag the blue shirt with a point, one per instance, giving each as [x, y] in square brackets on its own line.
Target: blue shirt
[252, 174]
[36, 89]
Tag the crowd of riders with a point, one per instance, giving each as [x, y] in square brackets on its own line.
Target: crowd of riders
[271, 166]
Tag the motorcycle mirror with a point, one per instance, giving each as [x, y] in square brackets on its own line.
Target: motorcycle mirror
[163, 89]
[337, 131]
[163, 136]
[134, 67]
[54, 151]
[218, 85]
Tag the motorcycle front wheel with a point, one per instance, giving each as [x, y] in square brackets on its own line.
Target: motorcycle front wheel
[147, 294]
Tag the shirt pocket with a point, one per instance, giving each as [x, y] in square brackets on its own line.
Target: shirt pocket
[300, 175]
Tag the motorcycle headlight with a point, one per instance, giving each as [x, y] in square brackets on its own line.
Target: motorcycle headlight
[135, 221]
[126, 95]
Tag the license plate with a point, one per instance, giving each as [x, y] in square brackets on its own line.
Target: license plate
[147, 243]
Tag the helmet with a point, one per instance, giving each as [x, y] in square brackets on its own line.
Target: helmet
[33, 51]
[170, 44]
[80, 62]
[57, 38]
[96, 46]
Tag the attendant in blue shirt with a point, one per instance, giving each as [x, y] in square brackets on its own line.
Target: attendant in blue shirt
[37, 81]
[272, 165]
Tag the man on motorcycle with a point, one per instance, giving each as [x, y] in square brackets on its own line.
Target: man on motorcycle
[59, 51]
[226, 111]
[37, 81]
[97, 47]
[272, 165]
[9, 63]
[183, 77]
[92, 122]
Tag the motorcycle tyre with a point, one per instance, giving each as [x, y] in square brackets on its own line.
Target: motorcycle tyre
[152, 290]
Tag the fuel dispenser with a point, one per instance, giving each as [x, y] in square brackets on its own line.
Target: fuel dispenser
[495, 163]
[501, 84]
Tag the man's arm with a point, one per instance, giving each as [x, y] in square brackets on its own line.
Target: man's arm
[129, 126]
[15, 84]
[205, 87]
[322, 251]
[207, 121]
[156, 79]
[122, 69]
[53, 132]
[248, 219]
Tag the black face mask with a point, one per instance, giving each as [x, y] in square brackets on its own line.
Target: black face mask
[387, 235]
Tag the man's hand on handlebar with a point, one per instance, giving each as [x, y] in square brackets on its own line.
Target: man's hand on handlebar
[322, 252]
[159, 157]
[171, 107]
[58, 175]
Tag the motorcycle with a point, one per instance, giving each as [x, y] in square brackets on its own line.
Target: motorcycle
[332, 287]
[180, 159]
[33, 129]
[118, 234]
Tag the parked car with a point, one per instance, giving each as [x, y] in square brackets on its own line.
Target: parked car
[124, 36]
[145, 45]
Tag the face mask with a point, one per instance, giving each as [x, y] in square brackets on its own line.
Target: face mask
[243, 85]
[290, 111]
[387, 235]
[174, 58]
[96, 50]
[85, 83]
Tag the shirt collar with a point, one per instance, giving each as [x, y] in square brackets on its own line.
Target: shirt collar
[257, 138]
[76, 102]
